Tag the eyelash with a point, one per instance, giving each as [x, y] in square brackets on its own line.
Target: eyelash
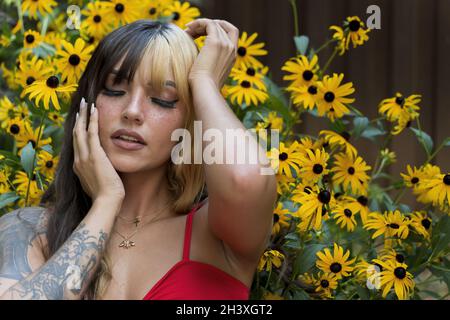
[163, 103]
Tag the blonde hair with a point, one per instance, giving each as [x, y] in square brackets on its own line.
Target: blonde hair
[173, 49]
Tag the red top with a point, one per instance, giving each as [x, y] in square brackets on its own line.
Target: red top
[195, 280]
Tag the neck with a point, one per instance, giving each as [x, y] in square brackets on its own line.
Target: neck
[146, 195]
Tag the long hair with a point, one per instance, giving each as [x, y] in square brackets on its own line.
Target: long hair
[65, 199]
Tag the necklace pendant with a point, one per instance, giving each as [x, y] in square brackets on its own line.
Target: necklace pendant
[126, 244]
[136, 221]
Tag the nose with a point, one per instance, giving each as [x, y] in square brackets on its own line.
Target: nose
[133, 110]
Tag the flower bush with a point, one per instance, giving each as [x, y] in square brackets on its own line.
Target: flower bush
[337, 233]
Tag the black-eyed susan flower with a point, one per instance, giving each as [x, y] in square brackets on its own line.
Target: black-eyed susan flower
[153, 9]
[389, 253]
[97, 22]
[285, 159]
[437, 189]
[283, 183]
[313, 165]
[395, 275]
[403, 121]
[305, 95]
[181, 13]
[351, 172]
[15, 126]
[31, 70]
[6, 108]
[73, 59]
[359, 204]
[43, 7]
[356, 32]
[413, 176]
[339, 38]
[56, 118]
[248, 92]
[337, 263]
[270, 258]
[281, 218]
[345, 213]
[271, 296]
[31, 135]
[333, 96]
[393, 108]
[247, 51]
[271, 122]
[390, 224]
[250, 74]
[22, 111]
[313, 202]
[325, 284]
[21, 181]
[307, 279]
[31, 39]
[4, 178]
[123, 12]
[368, 273]
[47, 90]
[46, 163]
[421, 223]
[335, 139]
[302, 71]
[428, 172]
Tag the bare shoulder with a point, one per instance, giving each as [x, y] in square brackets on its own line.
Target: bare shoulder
[22, 232]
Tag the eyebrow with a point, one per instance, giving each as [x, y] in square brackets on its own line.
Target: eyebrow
[167, 82]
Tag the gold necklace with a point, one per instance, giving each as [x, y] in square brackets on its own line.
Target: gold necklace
[127, 243]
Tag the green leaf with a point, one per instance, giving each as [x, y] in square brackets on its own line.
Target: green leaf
[300, 294]
[307, 258]
[301, 43]
[27, 158]
[7, 198]
[424, 138]
[360, 124]
[371, 132]
[446, 142]
[363, 292]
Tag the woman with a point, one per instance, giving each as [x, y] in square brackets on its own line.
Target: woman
[113, 224]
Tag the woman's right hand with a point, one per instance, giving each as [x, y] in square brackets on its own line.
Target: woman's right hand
[91, 164]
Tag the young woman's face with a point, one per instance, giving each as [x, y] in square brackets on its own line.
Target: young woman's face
[137, 106]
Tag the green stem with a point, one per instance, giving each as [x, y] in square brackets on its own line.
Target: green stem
[19, 13]
[431, 156]
[399, 196]
[421, 138]
[326, 44]
[329, 61]
[294, 9]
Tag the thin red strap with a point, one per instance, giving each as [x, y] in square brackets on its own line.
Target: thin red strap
[188, 231]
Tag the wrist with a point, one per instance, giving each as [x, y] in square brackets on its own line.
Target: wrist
[202, 81]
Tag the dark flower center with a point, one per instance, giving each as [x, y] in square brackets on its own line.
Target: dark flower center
[176, 16]
[312, 90]
[399, 257]
[307, 75]
[276, 218]
[426, 223]
[329, 96]
[400, 273]
[348, 213]
[251, 71]
[400, 101]
[74, 59]
[242, 51]
[14, 129]
[393, 226]
[317, 169]
[447, 179]
[30, 80]
[119, 8]
[324, 283]
[414, 180]
[49, 164]
[245, 84]
[363, 200]
[52, 82]
[335, 267]
[29, 38]
[283, 156]
[351, 170]
[55, 117]
[354, 25]
[152, 11]
[324, 196]
[345, 135]
[97, 18]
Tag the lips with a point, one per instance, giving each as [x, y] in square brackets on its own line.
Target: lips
[129, 133]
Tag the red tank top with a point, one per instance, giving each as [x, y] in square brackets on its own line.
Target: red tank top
[195, 280]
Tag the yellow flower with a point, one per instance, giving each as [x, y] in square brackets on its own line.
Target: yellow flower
[339, 140]
[31, 135]
[247, 51]
[269, 258]
[357, 33]
[47, 90]
[6, 107]
[437, 189]
[250, 74]
[360, 205]
[123, 12]
[285, 158]
[332, 96]
[15, 127]
[44, 7]
[281, 218]
[394, 274]
[31, 70]
[351, 172]
[306, 96]
[56, 118]
[46, 163]
[74, 59]
[4, 178]
[413, 177]
[271, 122]
[394, 108]
[98, 22]
[302, 71]
[339, 37]
[248, 92]
[326, 283]
[31, 39]
[345, 215]
[313, 165]
[391, 224]
[421, 223]
[181, 13]
[338, 264]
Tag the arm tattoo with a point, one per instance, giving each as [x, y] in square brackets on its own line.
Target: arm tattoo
[68, 272]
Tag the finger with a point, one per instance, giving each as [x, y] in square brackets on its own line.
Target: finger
[74, 142]
[201, 27]
[231, 31]
[80, 132]
[94, 141]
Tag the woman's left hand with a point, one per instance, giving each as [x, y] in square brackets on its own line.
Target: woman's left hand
[218, 55]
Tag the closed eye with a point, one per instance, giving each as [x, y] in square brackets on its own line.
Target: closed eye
[118, 93]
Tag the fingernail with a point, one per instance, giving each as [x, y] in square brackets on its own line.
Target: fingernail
[77, 116]
[92, 108]
[83, 102]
